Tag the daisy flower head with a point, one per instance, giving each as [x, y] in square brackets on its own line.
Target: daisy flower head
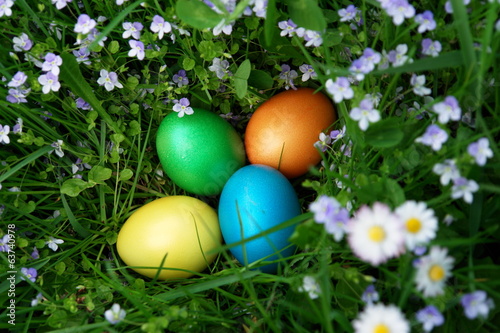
[419, 221]
[380, 318]
[433, 270]
[376, 234]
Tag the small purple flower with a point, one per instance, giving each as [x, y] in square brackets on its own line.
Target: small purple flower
[4, 241]
[52, 63]
[430, 317]
[82, 104]
[448, 171]
[29, 274]
[82, 55]
[180, 78]
[464, 188]
[287, 28]
[4, 134]
[137, 49]
[22, 43]
[60, 4]
[477, 304]
[418, 85]
[448, 110]
[349, 13]
[37, 299]
[370, 295]
[17, 95]
[53, 243]
[109, 80]
[35, 254]
[182, 107]
[399, 10]
[160, 26]
[307, 72]
[132, 29]
[323, 142]
[398, 56]
[434, 137]
[57, 145]
[17, 80]
[49, 82]
[328, 211]
[430, 47]
[365, 114]
[340, 89]
[313, 38]
[288, 75]
[337, 134]
[480, 150]
[5, 7]
[220, 68]
[371, 58]
[426, 21]
[84, 24]
[359, 68]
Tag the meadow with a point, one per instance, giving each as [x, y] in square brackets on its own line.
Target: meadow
[399, 224]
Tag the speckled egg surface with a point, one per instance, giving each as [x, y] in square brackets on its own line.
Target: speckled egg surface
[199, 152]
[257, 198]
[282, 131]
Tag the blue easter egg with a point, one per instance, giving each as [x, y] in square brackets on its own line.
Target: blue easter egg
[254, 199]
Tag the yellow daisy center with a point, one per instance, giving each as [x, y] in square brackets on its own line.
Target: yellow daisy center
[436, 273]
[381, 328]
[376, 233]
[413, 225]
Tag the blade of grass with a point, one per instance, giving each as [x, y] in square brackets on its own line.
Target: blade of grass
[30, 158]
[72, 220]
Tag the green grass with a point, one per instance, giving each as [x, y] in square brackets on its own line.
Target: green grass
[120, 171]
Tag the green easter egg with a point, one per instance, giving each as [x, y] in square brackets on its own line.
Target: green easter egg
[199, 152]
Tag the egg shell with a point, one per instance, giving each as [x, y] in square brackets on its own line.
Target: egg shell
[282, 131]
[199, 152]
[257, 198]
[182, 228]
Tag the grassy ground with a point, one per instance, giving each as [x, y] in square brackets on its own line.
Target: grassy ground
[85, 159]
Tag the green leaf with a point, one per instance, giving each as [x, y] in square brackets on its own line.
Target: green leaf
[126, 174]
[306, 14]
[99, 174]
[197, 14]
[445, 60]
[260, 79]
[188, 64]
[271, 30]
[385, 133]
[73, 187]
[113, 47]
[241, 78]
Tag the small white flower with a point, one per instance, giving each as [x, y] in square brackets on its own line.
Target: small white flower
[447, 170]
[310, 286]
[115, 315]
[53, 243]
[464, 188]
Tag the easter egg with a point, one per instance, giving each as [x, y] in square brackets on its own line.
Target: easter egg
[199, 152]
[175, 233]
[257, 198]
[282, 131]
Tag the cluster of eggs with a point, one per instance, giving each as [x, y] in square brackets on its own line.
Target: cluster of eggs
[177, 236]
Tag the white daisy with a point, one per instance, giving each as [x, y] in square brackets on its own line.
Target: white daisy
[376, 234]
[419, 221]
[381, 318]
[433, 270]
